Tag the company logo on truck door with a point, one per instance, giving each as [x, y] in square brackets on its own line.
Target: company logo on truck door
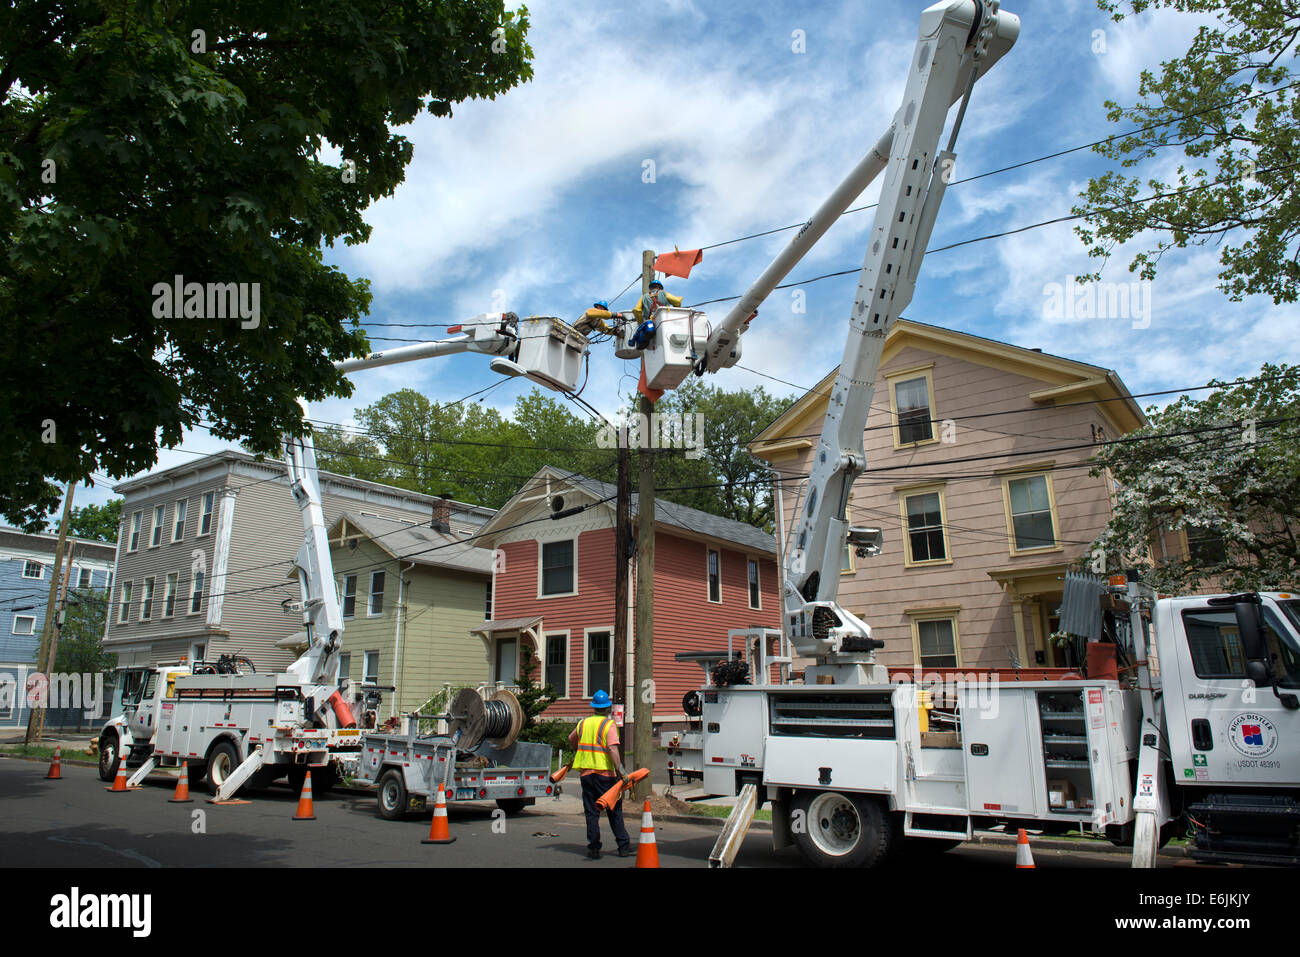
[1253, 735]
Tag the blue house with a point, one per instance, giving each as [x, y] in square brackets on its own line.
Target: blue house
[26, 567]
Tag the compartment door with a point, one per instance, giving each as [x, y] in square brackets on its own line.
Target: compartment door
[1000, 753]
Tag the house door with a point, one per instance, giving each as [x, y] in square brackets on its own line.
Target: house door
[507, 652]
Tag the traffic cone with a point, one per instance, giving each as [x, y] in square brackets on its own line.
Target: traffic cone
[182, 795]
[440, 829]
[1024, 856]
[56, 768]
[647, 851]
[119, 782]
[306, 810]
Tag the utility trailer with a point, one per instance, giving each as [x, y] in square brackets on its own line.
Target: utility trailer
[479, 759]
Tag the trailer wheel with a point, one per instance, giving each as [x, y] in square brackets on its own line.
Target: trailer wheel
[109, 756]
[839, 830]
[512, 806]
[222, 761]
[392, 795]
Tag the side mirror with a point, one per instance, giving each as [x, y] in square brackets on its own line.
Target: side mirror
[1258, 674]
[1250, 625]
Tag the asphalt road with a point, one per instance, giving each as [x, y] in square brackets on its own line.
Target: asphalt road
[75, 822]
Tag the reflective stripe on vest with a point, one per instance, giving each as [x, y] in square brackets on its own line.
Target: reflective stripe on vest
[593, 735]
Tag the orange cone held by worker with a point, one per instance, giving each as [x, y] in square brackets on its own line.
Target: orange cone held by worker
[306, 809]
[1024, 856]
[119, 782]
[615, 794]
[56, 766]
[647, 849]
[439, 830]
[182, 795]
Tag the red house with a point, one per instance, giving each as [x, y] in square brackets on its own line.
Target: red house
[553, 590]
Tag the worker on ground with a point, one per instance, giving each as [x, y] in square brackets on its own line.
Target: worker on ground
[595, 741]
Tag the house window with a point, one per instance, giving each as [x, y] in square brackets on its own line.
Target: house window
[349, 596]
[487, 600]
[196, 593]
[178, 523]
[146, 600]
[912, 404]
[1205, 546]
[936, 641]
[1029, 502]
[715, 576]
[925, 531]
[755, 593]
[33, 570]
[345, 666]
[24, 624]
[557, 664]
[169, 595]
[198, 650]
[135, 531]
[506, 657]
[108, 584]
[376, 593]
[557, 568]
[124, 606]
[155, 531]
[83, 579]
[205, 513]
[371, 663]
[597, 662]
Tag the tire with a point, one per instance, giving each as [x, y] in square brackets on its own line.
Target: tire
[110, 754]
[391, 795]
[512, 806]
[840, 830]
[222, 761]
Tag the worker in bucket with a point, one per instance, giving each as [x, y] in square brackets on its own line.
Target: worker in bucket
[645, 311]
[595, 741]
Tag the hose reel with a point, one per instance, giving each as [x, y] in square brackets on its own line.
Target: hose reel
[499, 719]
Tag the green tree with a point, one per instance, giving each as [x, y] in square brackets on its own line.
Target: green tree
[147, 140]
[1225, 468]
[1230, 105]
[81, 641]
[99, 522]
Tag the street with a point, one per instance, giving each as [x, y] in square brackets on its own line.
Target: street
[75, 822]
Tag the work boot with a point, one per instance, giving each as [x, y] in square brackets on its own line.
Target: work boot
[593, 854]
[625, 851]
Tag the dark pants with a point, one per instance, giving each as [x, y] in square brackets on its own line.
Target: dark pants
[593, 786]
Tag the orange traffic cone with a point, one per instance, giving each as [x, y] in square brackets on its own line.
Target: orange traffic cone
[119, 782]
[647, 851]
[1024, 856]
[306, 810]
[56, 768]
[440, 829]
[182, 795]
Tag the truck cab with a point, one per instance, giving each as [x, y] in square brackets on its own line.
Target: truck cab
[137, 699]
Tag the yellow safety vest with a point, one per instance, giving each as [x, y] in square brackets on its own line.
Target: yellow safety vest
[593, 735]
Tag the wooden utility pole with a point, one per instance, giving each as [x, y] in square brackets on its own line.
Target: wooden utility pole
[60, 614]
[642, 738]
[622, 541]
[35, 723]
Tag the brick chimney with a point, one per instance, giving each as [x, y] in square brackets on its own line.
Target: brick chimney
[442, 515]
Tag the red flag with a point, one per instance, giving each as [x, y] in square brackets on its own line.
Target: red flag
[678, 263]
[651, 394]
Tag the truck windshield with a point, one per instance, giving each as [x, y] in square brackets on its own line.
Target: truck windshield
[1291, 609]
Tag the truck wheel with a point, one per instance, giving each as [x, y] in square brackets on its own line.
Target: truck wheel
[324, 779]
[392, 795]
[222, 761]
[839, 830]
[512, 806]
[109, 755]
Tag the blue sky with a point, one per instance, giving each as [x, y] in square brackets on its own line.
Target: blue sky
[536, 201]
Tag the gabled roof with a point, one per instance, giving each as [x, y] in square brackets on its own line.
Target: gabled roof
[86, 548]
[1063, 379]
[691, 520]
[421, 544]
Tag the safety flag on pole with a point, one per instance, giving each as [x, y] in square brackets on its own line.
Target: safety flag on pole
[652, 394]
[678, 263]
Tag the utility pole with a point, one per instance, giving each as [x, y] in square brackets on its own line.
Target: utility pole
[622, 541]
[59, 616]
[47, 628]
[642, 743]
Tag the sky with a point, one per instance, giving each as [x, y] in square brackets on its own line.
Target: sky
[749, 115]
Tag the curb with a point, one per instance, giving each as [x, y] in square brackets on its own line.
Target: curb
[29, 757]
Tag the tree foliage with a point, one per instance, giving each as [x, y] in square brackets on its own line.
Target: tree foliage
[1226, 470]
[99, 522]
[81, 641]
[145, 140]
[1229, 104]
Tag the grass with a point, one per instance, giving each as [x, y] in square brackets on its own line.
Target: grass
[722, 810]
[44, 752]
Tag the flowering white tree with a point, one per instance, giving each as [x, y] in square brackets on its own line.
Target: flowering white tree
[1224, 468]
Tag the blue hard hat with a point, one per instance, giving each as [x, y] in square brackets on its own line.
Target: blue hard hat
[656, 282]
[600, 700]
[602, 304]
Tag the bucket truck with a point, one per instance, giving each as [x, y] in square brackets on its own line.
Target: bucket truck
[236, 728]
[857, 768]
